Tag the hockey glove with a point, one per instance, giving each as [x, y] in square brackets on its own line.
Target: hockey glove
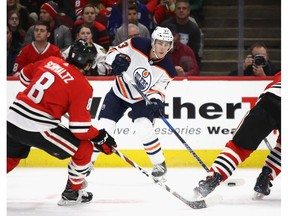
[120, 64]
[156, 108]
[104, 142]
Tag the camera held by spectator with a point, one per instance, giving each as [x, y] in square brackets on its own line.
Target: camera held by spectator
[259, 60]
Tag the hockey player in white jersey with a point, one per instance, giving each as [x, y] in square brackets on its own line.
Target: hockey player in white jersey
[145, 61]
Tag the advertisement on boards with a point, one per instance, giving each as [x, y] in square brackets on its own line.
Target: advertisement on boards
[205, 113]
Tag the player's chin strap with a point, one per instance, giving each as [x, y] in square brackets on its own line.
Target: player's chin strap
[126, 76]
[154, 51]
[197, 204]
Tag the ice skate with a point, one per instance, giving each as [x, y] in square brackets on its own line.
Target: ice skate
[205, 187]
[263, 184]
[74, 197]
[159, 172]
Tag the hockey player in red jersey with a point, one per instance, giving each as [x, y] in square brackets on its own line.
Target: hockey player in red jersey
[55, 87]
[145, 61]
[258, 123]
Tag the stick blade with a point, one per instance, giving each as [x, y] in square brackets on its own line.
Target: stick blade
[205, 203]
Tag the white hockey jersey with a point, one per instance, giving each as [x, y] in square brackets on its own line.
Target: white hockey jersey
[152, 77]
[102, 68]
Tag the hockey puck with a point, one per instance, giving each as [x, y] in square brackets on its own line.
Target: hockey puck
[231, 184]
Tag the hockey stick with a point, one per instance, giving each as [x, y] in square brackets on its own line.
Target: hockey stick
[268, 144]
[166, 122]
[197, 204]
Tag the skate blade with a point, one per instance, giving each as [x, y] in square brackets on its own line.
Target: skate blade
[63, 202]
[257, 196]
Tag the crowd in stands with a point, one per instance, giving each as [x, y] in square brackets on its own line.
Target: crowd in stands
[104, 19]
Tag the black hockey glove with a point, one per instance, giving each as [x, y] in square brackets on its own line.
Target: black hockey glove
[156, 108]
[120, 64]
[104, 142]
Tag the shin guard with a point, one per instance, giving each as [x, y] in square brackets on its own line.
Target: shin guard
[229, 159]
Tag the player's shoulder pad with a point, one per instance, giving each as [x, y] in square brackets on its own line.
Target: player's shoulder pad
[141, 44]
[167, 64]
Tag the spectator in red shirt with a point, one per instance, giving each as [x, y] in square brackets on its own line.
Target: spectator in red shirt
[102, 7]
[164, 10]
[99, 31]
[38, 49]
[60, 34]
[182, 55]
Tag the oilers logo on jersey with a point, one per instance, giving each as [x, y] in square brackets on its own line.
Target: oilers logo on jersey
[142, 78]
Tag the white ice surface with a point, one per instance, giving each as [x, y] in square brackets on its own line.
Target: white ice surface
[128, 192]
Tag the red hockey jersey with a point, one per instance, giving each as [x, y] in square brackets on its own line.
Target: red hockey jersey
[30, 54]
[54, 88]
[274, 87]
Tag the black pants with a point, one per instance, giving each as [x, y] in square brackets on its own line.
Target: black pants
[260, 121]
[58, 142]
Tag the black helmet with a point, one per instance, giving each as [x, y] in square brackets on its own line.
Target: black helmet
[81, 53]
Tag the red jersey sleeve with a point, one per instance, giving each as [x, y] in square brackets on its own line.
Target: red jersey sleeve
[27, 73]
[20, 61]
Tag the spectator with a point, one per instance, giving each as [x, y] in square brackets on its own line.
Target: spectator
[38, 49]
[99, 67]
[12, 52]
[102, 7]
[115, 19]
[252, 69]
[182, 56]
[133, 31]
[133, 19]
[190, 33]
[33, 7]
[60, 34]
[22, 10]
[99, 31]
[14, 23]
[196, 10]
[65, 8]
[163, 11]
[150, 5]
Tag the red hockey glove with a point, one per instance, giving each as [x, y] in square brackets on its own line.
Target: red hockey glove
[104, 142]
[120, 64]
